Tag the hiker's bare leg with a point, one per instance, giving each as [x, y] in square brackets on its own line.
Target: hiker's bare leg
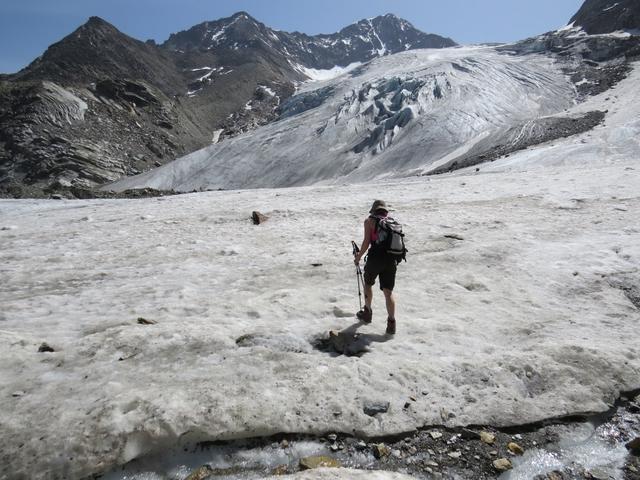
[391, 303]
[368, 295]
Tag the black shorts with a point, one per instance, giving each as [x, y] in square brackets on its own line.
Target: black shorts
[382, 265]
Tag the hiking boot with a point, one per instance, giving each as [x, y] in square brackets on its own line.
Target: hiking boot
[365, 315]
[391, 326]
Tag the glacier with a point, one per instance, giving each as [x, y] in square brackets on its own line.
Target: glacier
[396, 116]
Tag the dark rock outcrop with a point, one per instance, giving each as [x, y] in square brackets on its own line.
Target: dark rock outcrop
[606, 16]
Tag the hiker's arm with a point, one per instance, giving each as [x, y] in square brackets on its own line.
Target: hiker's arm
[365, 243]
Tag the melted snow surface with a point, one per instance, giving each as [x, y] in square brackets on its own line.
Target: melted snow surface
[392, 117]
[316, 75]
[516, 323]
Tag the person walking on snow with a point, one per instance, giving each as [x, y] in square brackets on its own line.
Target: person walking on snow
[379, 263]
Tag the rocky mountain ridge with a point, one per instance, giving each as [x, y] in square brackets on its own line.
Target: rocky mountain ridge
[99, 105]
[360, 42]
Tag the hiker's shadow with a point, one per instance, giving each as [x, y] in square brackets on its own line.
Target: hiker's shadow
[350, 342]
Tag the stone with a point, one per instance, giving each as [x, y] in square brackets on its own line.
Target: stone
[258, 218]
[145, 321]
[468, 434]
[555, 475]
[502, 464]
[320, 461]
[634, 446]
[435, 434]
[201, 473]
[374, 408]
[597, 474]
[380, 450]
[515, 448]
[431, 463]
[454, 439]
[280, 470]
[284, 443]
[348, 343]
[455, 454]
[487, 437]
[332, 437]
[45, 348]
[412, 450]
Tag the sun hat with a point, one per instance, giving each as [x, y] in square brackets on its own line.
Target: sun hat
[380, 205]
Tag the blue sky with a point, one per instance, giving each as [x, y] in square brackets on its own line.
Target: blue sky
[28, 27]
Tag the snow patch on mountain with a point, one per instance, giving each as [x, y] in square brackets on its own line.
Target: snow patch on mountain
[316, 75]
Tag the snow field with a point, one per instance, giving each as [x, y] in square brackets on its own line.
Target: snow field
[515, 323]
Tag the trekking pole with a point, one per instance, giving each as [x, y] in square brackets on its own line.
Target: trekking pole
[356, 250]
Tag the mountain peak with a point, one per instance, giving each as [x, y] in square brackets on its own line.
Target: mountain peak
[96, 23]
[390, 17]
[242, 15]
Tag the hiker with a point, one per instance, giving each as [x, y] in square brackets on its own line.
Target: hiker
[379, 263]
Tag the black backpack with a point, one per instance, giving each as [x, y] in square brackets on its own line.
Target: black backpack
[390, 237]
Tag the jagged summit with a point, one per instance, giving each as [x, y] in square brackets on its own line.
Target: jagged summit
[358, 42]
[229, 32]
[95, 21]
[606, 16]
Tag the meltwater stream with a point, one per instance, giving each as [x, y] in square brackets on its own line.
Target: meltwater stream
[581, 448]
[593, 448]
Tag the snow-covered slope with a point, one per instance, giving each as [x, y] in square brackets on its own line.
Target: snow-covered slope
[616, 141]
[395, 116]
[532, 315]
